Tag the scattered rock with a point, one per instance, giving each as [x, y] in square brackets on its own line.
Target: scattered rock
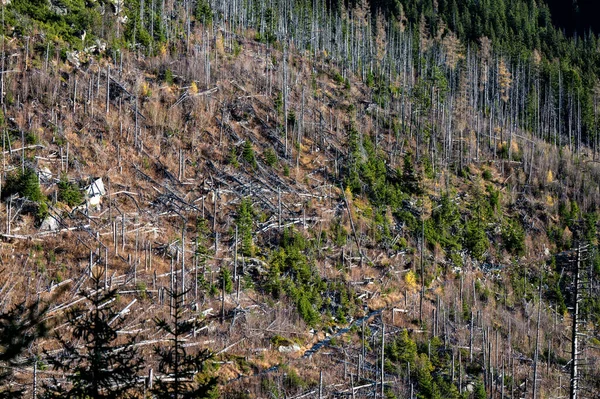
[49, 224]
[289, 349]
[45, 174]
[94, 192]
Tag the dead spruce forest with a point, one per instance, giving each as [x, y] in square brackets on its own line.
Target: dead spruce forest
[297, 199]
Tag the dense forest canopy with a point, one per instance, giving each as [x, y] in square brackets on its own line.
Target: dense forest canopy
[575, 17]
[553, 43]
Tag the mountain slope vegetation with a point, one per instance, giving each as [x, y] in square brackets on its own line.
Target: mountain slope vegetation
[287, 198]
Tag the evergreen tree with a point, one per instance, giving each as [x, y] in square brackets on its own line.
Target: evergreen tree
[244, 222]
[20, 327]
[248, 154]
[409, 179]
[479, 391]
[403, 349]
[183, 374]
[203, 12]
[226, 280]
[69, 192]
[24, 183]
[96, 364]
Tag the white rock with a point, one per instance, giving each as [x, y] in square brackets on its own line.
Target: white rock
[45, 174]
[289, 349]
[49, 224]
[96, 188]
[94, 193]
[73, 58]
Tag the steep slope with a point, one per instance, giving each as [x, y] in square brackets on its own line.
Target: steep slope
[318, 198]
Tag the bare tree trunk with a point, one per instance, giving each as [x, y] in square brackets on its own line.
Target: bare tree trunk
[235, 263]
[108, 88]
[35, 383]
[285, 99]
[574, 389]
[422, 292]
[537, 344]
[460, 378]
[382, 357]
[183, 285]
[321, 384]
[471, 339]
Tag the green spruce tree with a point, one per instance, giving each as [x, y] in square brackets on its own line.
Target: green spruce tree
[20, 327]
[182, 374]
[96, 363]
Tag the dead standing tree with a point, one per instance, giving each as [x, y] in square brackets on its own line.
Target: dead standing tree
[575, 263]
[576, 349]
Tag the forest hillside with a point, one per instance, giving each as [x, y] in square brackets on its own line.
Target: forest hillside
[294, 199]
